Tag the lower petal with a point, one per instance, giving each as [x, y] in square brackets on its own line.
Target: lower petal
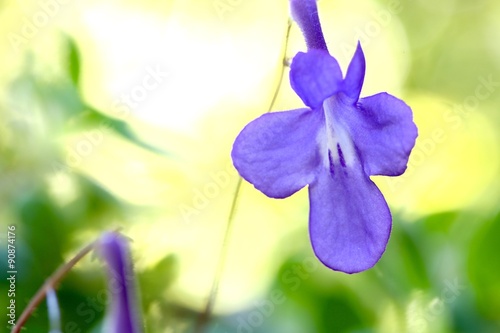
[277, 152]
[350, 221]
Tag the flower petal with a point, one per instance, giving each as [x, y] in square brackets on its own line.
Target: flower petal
[123, 315]
[305, 13]
[383, 131]
[349, 220]
[355, 74]
[277, 152]
[315, 76]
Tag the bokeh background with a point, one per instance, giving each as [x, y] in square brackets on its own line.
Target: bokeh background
[121, 114]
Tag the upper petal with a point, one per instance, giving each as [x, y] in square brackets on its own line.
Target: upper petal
[277, 152]
[349, 221]
[305, 13]
[383, 132]
[355, 75]
[315, 76]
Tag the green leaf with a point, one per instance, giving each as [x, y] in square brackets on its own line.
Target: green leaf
[95, 119]
[73, 61]
[154, 281]
[484, 269]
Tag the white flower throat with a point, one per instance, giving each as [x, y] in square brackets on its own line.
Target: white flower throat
[335, 142]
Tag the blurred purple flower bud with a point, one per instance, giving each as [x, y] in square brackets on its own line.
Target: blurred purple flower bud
[123, 307]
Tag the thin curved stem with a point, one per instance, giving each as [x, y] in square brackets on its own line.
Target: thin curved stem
[205, 316]
[284, 64]
[50, 284]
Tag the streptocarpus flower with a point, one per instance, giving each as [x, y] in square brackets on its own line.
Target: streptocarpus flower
[122, 314]
[334, 146]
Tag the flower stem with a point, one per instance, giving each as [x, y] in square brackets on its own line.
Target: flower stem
[284, 64]
[205, 316]
[50, 284]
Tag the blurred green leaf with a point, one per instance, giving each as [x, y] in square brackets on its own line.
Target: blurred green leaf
[39, 216]
[93, 206]
[403, 263]
[154, 281]
[73, 61]
[484, 269]
[93, 118]
[440, 223]
[334, 308]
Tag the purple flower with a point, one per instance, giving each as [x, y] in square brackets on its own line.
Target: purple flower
[122, 314]
[334, 146]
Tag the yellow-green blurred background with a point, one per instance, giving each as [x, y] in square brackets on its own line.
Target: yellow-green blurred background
[121, 114]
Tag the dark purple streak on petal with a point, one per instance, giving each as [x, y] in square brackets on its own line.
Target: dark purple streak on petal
[331, 163]
[383, 131]
[349, 220]
[341, 156]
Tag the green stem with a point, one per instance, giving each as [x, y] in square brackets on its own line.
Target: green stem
[205, 316]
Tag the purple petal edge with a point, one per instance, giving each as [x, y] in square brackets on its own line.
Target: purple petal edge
[277, 152]
[383, 130]
[349, 220]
